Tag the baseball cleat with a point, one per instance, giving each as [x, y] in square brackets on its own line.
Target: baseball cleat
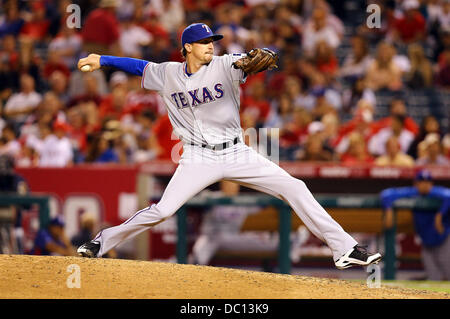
[89, 249]
[357, 256]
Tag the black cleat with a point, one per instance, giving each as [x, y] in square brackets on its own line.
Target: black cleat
[89, 249]
[357, 256]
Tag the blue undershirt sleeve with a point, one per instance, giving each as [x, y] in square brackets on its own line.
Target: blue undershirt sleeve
[390, 195]
[130, 65]
[442, 193]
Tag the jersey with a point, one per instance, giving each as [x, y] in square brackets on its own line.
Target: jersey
[423, 220]
[203, 107]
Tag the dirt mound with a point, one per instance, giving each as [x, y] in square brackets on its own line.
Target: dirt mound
[25, 276]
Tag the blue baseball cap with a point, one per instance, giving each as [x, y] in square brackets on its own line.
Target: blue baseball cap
[423, 175]
[57, 221]
[196, 32]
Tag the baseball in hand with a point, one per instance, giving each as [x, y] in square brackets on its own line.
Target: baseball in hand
[86, 68]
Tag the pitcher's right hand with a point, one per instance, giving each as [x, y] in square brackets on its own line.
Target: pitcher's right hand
[93, 60]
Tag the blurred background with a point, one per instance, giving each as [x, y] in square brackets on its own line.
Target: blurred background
[361, 99]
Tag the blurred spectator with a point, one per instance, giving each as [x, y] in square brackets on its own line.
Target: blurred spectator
[11, 231]
[9, 53]
[101, 30]
[55, 63]
[27, 157]
[429, 125]
[324, 92]
[68, 44]
[102, 150]
[145, 149]
[281, 112]
[12, 22]
[357, 93]
[132, 38]
[53, 147]
[322, 105]
[383, 72]
[397, 129]
[398, 107]
[21, 104]
[9, 145]
[394, 156]
[162, 138]
[330, 134]
[357, 151]
[87, 230]
[295, 89]
[362, 121]
[48, 111]
[158, 51]
[430, 151]
[58, 82]
[356, 63]
[444, 16]
[292, 124]
[37, 27]
[76, 119]
[170, 13]
[318, 30]
[314, 149]
[78, 84]
[446, 145]
[139, 99]
[228, 45]
[53, 241]
[421, 73]
[91, 92]
[200, 13]
[112, 104]
[257, 100]
[315, 81]
[443, 72]
[325, 59]
[9, 65]
[150, 22]
[410, 27]
[433, 227]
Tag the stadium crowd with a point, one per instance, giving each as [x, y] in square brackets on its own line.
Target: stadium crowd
[324, 105]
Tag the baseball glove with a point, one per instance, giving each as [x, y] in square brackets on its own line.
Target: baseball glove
[257, 60]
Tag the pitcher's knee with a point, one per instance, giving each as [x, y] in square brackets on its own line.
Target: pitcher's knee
[162, 211]
[297, 184]
[292, 187]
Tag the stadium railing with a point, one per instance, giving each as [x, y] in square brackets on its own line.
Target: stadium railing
[348, 201]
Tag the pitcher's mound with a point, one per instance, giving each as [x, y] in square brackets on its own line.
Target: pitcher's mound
[24, 276]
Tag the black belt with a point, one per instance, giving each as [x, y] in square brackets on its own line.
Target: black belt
[218, 147]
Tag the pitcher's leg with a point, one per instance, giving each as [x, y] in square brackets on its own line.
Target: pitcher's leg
[187, 181]
[268, 177]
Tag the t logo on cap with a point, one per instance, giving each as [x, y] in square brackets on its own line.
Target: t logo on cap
[207, 28]
[196, 32]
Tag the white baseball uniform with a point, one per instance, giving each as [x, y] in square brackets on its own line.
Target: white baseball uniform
[204, 110]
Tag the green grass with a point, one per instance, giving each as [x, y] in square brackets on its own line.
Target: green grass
[439, 286]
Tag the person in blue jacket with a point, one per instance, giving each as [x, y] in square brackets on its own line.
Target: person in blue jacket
[52, 241]
[433, 227]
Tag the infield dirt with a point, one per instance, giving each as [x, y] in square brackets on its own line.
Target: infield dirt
[36, 277]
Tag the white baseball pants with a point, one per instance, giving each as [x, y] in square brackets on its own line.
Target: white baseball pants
[200, 167]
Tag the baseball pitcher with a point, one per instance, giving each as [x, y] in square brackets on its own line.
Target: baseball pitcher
[202, 99]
